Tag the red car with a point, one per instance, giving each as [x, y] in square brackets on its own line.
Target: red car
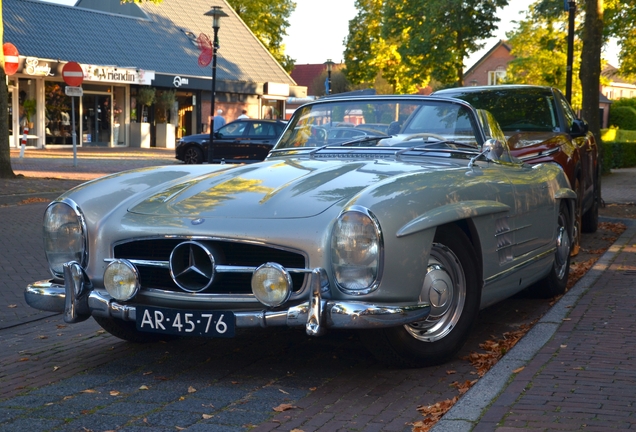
[541, 126]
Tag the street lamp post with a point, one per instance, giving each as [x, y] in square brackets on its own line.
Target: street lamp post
[216, 13]
[571, 7]
[329, 65]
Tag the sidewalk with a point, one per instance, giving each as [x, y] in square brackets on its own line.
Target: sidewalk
[576, 369]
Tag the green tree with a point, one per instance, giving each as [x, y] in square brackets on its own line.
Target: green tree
[375, 50]
[539, 45]
[268, 20]
[445, 32]
[410, 41]
[339, 83]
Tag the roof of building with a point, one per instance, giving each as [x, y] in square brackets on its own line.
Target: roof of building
[501, 43]
[305, 74]
[159, 38]
[612, 73]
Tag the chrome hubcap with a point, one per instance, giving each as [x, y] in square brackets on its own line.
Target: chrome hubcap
[444, 288]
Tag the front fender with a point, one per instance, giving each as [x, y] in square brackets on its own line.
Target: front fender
[451, 213]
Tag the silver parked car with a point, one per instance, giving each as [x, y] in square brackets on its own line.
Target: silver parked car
[403, 236]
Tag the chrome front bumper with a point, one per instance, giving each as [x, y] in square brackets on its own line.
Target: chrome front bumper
[78, 301]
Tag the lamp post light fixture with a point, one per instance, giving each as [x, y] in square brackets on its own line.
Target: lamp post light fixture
[216, 13]
[329, 65]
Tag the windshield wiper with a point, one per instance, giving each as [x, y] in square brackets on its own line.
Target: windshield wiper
[362, 140]
[436, 145]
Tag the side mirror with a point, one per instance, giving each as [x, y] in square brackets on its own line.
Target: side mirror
[579, 127]
[493, 149]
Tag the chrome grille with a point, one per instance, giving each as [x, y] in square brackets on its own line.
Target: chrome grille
[231, 254]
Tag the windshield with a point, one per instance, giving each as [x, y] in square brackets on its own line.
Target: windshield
[382, 122]
[528, 110]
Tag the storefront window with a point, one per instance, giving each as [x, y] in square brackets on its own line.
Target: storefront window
[96, 111]
[27, 105]
[57, 115]
[272, 109]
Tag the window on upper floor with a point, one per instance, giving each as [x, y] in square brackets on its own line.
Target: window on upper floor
[495, 77]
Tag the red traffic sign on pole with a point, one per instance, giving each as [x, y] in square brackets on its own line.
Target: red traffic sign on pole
[73, 74]
[11, 58]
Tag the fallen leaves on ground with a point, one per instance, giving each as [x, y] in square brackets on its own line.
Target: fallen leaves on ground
[616, 228]
[34, 200]
[495, 349]
[432, 414]
[283, 407]
[578, 270]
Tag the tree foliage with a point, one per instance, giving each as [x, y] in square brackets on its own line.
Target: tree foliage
[339, 83]
[268, 20]
[445, 32]
[539, 45]
[619, 21]
[411, 41]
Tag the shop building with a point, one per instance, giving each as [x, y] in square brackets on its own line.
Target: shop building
[126, 52]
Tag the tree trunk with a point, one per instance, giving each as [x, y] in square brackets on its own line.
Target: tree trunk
[5, 152]
[590, 72]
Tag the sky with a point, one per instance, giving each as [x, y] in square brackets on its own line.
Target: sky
[318, 28]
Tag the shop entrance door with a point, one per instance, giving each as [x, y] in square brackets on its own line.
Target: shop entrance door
[96, 119]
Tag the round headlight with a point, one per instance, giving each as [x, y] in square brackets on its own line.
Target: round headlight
[64, 236]
[271, 284]
[356, 248]
[121, 280]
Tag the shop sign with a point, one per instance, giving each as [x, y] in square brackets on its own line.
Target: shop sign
[276, 89]
[118, 75]
[37, 67]
[179, 81]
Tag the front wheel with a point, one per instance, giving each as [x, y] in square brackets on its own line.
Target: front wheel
[193, 155]
[451, 286]
[555, 283]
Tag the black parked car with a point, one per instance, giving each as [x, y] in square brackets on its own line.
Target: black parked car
[240, 141]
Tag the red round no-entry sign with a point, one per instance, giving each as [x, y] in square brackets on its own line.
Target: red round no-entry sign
[11, 58]
[73, 74]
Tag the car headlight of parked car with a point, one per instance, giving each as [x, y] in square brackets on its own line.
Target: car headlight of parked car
[64, 236]
[356, 251]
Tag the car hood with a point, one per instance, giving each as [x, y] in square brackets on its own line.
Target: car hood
[283, 188]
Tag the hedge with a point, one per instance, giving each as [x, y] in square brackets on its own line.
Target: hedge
[623, 117]
[619, 154]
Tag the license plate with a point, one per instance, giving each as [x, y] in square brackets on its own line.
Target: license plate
[185, 322]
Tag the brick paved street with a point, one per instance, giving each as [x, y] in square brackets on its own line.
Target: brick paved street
[578, 373]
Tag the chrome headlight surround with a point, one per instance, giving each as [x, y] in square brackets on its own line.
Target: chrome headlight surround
[357, 251]
[65, 235]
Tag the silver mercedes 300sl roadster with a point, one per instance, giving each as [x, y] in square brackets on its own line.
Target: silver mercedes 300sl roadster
[403, 235]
